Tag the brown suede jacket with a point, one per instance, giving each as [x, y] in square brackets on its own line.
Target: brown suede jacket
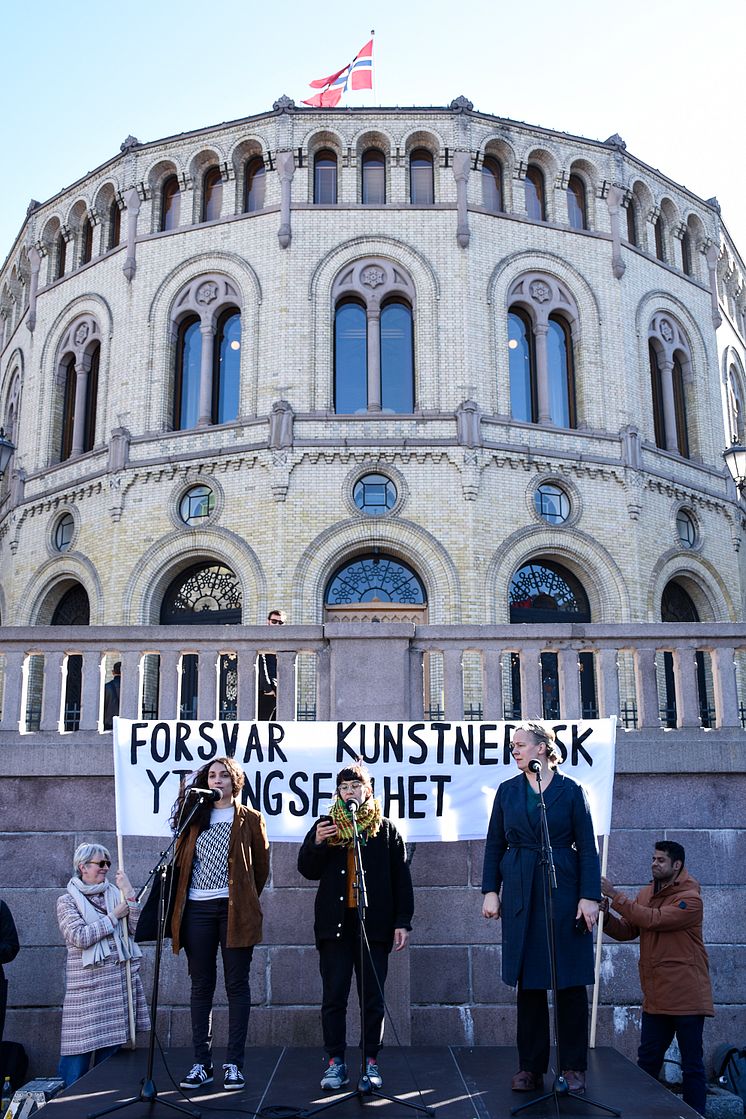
[674, 969]
[248, 865]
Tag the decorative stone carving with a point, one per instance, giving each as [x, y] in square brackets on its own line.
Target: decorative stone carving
[461, 104]
[281, 422]
[373, 277]
[283, 104]
[129, 144]
[540, 291]
[616, 141]
[207, 293]
[666, 330]
[33, 205]
[468, 424]
[81, 333]
[714, 203]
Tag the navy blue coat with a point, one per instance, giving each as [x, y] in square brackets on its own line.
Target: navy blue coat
[512, 861]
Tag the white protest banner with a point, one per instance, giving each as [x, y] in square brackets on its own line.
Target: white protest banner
[436, 780]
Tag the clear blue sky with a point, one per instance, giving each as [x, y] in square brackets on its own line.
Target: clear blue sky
[76, 77]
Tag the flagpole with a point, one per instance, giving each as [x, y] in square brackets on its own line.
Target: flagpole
[127, 962]
[599, 947]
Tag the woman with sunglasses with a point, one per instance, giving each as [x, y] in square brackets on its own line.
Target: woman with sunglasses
[97, 926]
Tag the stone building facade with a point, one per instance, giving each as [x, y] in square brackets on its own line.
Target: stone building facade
[422, 366]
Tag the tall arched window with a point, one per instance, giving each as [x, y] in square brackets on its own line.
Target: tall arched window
[115, 225]
[668, 389]
[350, 357]
[374, 177]
[686, 253]
[80, 390]
[679, 403]
[736, 405]
[521, 361]
[535, 195]
[656, 388]
[68, 408]
[397, 357]
[631, 223]
[421, 178]
[212, 194]
[86, 241]
[577, 209]
[170, 204]
[561, 372]
[254, 185]
[375, 578]
[61, 257]
[492, 184]
[188, 362]
[226, 381]
[325, 178]
[660, 250]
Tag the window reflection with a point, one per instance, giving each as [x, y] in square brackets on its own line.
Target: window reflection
[170, 204]
[256, 181]
[325, 178]
[226, 380]
[397, 361]
[212, 195]
[535, 206]
[421, 181]
[492, 184]
[350, 358]
[374, 178]
[560, 371]
[188, 361]
[520, 355]
[576, 203]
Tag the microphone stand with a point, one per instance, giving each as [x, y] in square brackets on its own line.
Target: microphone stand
[365, 1089]
[148, 1092]
[560, 1087]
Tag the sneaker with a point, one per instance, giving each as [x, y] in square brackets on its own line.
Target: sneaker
[373, 1073]
[197, 1077]
[335, 1076]
[233, 1080]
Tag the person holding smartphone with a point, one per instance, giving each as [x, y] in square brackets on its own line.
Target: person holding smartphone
[327, 856]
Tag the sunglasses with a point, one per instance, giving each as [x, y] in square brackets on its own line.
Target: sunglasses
[102, 864]
[276, 622]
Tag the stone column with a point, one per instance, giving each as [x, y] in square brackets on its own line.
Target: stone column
[647, 691]
[82, 368]
[286, 170]
[34, 257]
[286, 684]
[246, 668]
[129, 694]
[461, 168]
[614, 202]
[711, 256]
[168, 699]
[569, 684]
[492, 684]
[207, 694]
[607, 682]
[541, 331]
[51, 704]
[13, 692]
[374, 357]
[530, 668]
[724, 686]
[132, 202]
[687, 691]
[207, 330]
[453, 684]
[669, 408]
[90, 691]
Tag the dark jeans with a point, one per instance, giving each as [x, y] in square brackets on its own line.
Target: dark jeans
[337, 960]
[657, 1034]
[72, 1068]
[204, 929]
[533, 1029]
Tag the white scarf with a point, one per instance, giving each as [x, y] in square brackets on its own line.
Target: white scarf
[98, 952]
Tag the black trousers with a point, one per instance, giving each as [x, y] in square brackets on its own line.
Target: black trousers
[338, 959]
[657, 1034]
[204, 929]
[533, 1029]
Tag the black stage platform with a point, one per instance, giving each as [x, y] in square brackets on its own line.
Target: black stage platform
[458, 1083]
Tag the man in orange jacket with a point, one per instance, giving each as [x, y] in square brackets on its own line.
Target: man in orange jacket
[674, 969]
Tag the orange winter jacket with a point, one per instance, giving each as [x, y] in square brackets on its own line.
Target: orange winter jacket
[674, 969]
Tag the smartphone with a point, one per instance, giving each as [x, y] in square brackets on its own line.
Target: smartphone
[580, 926]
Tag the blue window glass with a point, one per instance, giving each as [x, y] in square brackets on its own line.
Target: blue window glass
[226, 381]
[256, 181]
[492, 185]
[560, 373]
[397, 359]
[421, 178]
[374, 178]
[170, 203]
[576, 203]
[350, 358]
[325, 178]
[520, 351]
[375, 578]
[189, 356]
[212, 198]
[535, 208]
[374, 494]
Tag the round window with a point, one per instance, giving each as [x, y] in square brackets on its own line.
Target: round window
[686, 528]
[196, 505]
[374, 494]
[63, 532]
[552, 503]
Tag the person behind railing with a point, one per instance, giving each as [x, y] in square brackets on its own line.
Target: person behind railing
[112, 691]
[97, 926]
[512, 861]
[222, 864]
[267, 671]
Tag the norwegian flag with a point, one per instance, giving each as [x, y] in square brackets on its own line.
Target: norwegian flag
[358, 74]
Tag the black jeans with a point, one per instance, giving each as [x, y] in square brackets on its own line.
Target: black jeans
[337, 960]
[655, 1037]
[204, 929]
[533, 1029]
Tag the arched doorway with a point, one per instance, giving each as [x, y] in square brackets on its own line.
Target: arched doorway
[677, 605]
[73, 609]
[545, 592]
[375, 587]
[206, 593]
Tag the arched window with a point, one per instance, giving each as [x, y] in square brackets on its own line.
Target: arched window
[397, 357]
[522, 365]
[660, 251]
[677, 605]
[577, 209]
[656, 388]
[79, 436]
[73, 609]
[535, 195]
[254, 185]
[492, 184]
[170, 204]
[561, 373]
[61, 257]
[115, 225]
[86, 241]
[679, 403]
[686, 253]
[667, 385]
[375, 578]
[374, 177]
[208, 593]
[188, 363]
[68, 408]
[212, 194]
[631, 223]
[736, 405]
[325, 178]
[226, 381]
[421, 178]
[350, 357]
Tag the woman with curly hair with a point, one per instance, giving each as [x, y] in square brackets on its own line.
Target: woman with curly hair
[222, 864]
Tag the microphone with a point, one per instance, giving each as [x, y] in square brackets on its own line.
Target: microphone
[353, 806]
[534, 766]
[208, 794]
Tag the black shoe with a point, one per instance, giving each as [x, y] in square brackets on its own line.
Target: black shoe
[233, 1080]
[197, 1077]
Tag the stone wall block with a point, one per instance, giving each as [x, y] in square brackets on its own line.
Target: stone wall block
[37, 977]
[451, 916]
[439, 975]
[39, 802]
[441, 1025]
[441, 864]
[715, 857]
[288, 916]
[486, 965]
[285, 865]
[294, 976]
[43, 1026]
[494, 1025]
[694, 800]
[35, 914]
[285, 1026]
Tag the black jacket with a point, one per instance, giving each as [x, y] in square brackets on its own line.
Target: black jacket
[8, 937]
[387, 879]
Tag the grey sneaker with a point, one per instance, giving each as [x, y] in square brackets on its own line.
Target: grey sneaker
[233, 1080]
[373, 1073]
[197, 1077]
[335, 1076]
